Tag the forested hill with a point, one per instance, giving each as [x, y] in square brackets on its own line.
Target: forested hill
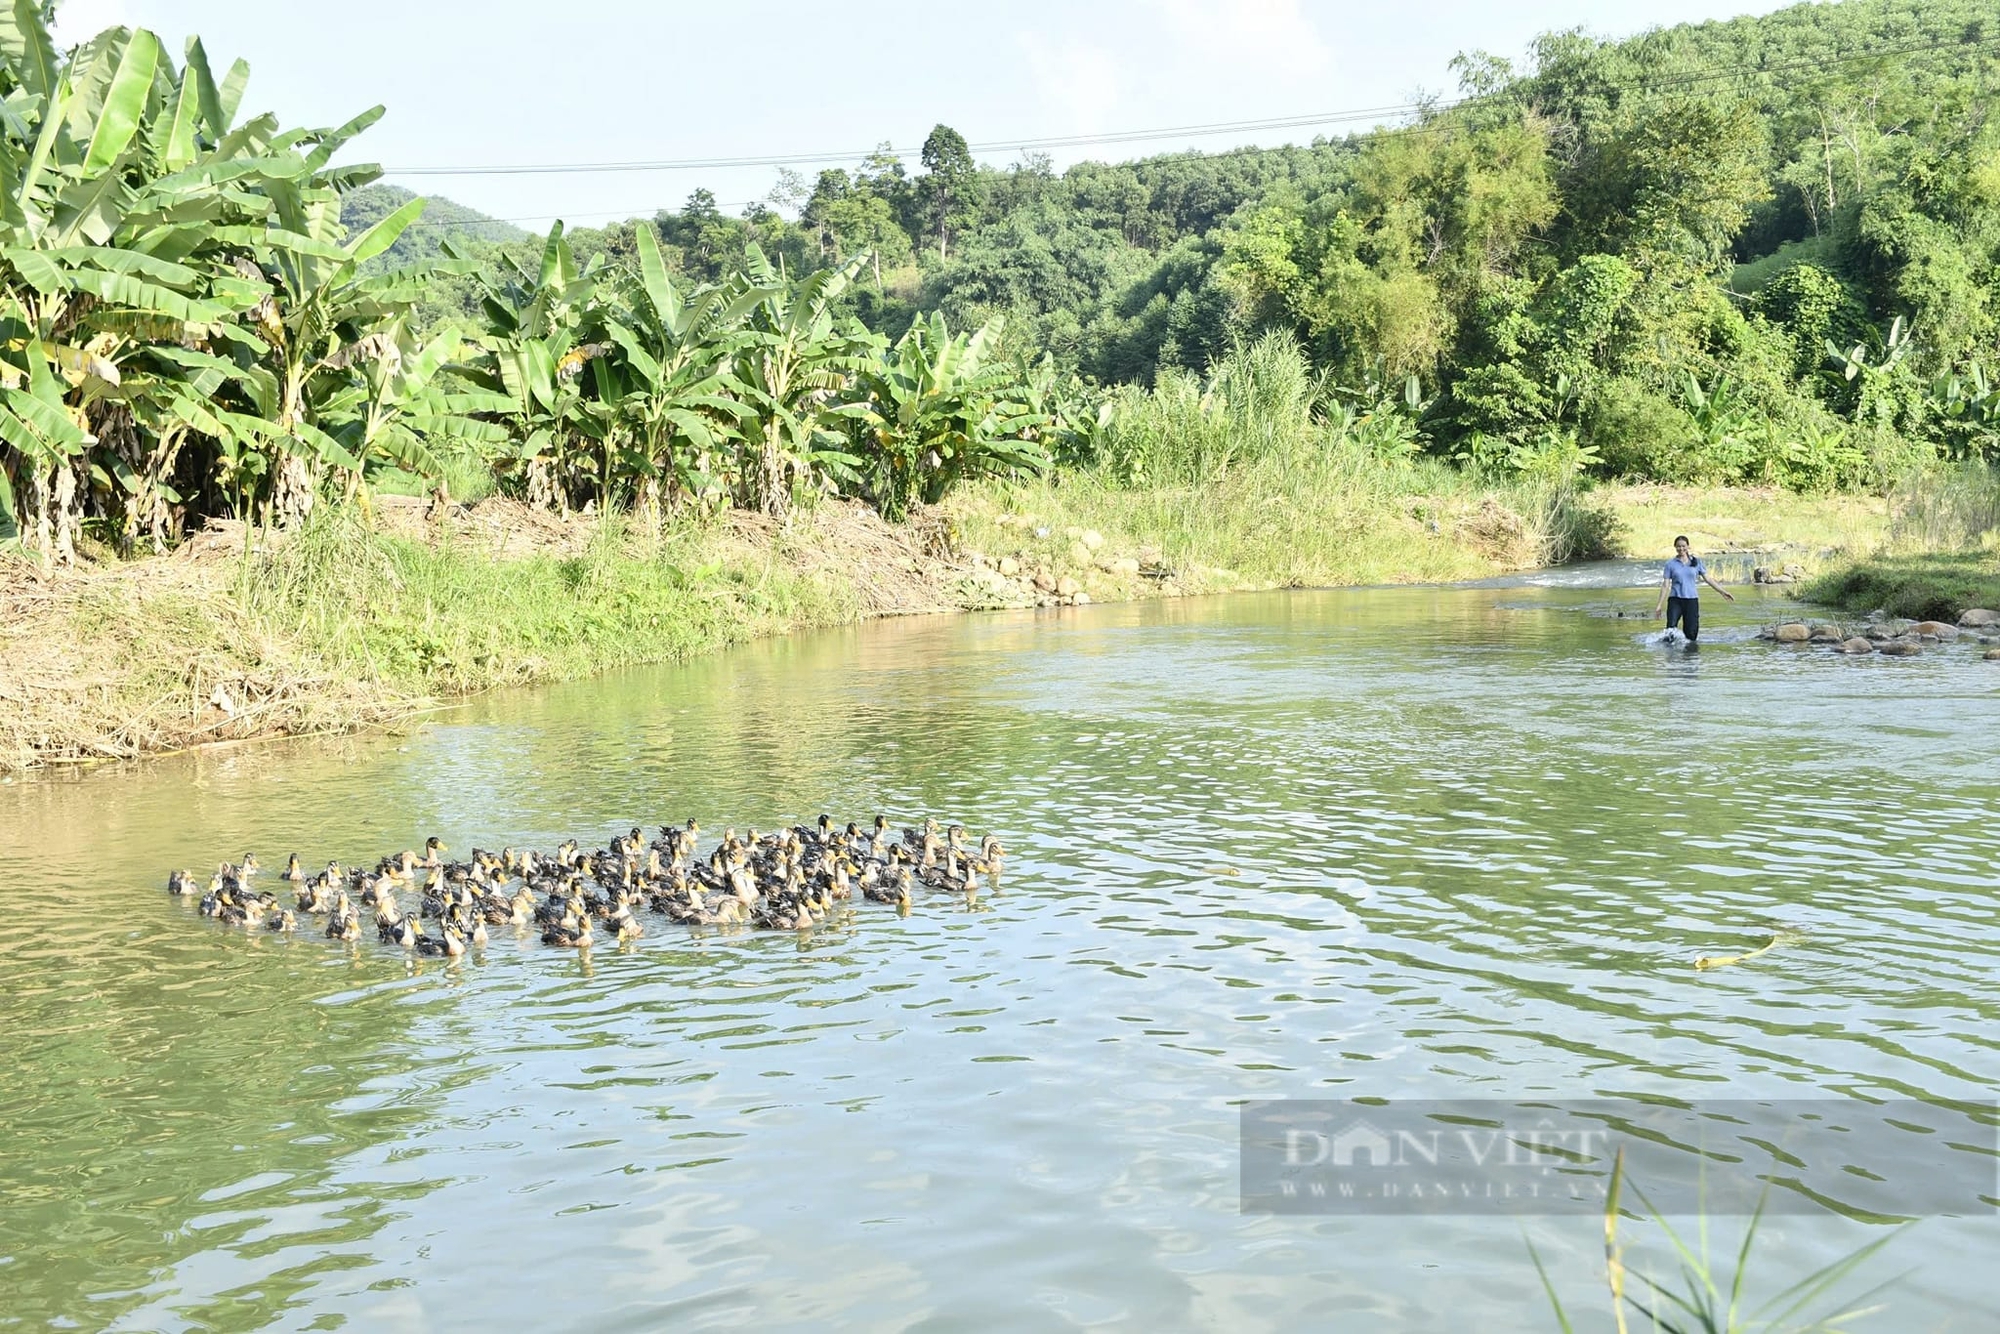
[1606, 234]
[363, 208]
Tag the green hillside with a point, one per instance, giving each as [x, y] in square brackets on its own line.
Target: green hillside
[442, 220]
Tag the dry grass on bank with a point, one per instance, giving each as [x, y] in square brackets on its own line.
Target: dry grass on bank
[158, 656]
[1806, 529]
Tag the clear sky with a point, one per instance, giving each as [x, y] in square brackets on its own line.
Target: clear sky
[478, 82]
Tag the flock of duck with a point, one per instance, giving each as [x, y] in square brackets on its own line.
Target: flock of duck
[791, 879]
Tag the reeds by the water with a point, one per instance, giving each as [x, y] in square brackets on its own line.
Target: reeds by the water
[1702, 1298]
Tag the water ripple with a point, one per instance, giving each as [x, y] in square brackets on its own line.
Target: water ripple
[1386, 844]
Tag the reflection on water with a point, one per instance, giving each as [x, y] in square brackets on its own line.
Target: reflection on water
[1478, 837]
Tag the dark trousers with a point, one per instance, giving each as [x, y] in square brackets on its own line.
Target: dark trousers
[1685, 612]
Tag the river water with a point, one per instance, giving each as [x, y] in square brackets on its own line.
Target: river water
[1478, 837]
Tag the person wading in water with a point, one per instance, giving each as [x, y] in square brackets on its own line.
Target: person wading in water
[1680, 591]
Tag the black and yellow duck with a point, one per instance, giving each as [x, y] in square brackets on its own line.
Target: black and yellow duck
[987, 860]
[892, 888]
[182, 886]
[447, 943]
[569, 937]
[344, 923]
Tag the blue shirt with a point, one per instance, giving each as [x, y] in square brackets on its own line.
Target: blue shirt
[1685, 578]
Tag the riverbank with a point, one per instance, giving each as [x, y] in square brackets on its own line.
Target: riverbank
[1937, 586]
[368, 617]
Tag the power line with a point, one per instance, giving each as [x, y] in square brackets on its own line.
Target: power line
[808, 159]
[421, 225]
[1204, 129]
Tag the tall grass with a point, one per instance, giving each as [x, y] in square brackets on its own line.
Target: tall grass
[1248, 472]
[1950, 508]
[1942, 555]
[1256, 405]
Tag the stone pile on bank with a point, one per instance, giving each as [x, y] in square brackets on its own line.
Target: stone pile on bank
[1889, 635]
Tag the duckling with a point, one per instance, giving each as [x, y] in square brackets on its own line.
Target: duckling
[987, 859]
[282, 920]
[293, 871]
[817, 835]
[181, 885]
[568, 937]
[345, 923]
[312, 896]
[246, 868]
[950, 874]
[432, 847]
[433, 902]
[399, 932]
[918, 837]
[450, 944]
[893, 889]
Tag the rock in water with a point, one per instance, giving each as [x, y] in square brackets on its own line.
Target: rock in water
[1977, 617]
[1899, 648]
[1991, 655]
[1858, 644]
[1793, 632]
[1935, 630]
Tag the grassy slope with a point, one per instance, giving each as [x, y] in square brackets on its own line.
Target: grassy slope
[346, 626]
[1933, 587]
[1804, 528]
[1936, 559]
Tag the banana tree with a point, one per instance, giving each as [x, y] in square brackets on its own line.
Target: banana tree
[89, 263]
[676, 401]
[322, 318]
[792, 369]
[405, 404]
[533, 354]
[936, 412]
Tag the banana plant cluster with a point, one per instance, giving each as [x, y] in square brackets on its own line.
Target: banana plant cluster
[937, 411]
[184, 324]
[636, 388]
[186, 329]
